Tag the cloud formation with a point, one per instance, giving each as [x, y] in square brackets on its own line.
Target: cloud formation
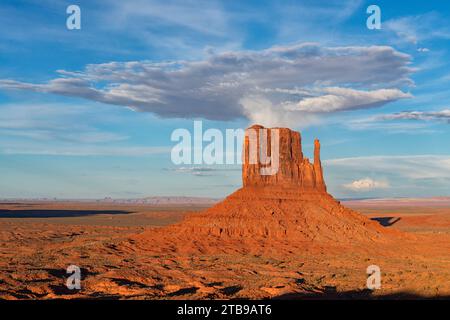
[295, 82]
[366, 184]
[206, 171]
[196, 171]
[417, 28]
[413, 167]
[412, 122]
[441, 116]
[341, 99]
[396, 176]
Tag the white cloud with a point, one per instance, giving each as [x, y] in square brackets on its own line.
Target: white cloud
[259, 109]
[414, 167]
[222, 86]
[196, 171]
[366, 184]
[206, 18]
[392, 176]
[412, 122]
[405, 28]
[414, 29]
[204, 171]
[175, 27]
[442, 116]
[341, 99]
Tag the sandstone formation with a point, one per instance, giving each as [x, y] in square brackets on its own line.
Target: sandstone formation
[290, 205]
[293, 169]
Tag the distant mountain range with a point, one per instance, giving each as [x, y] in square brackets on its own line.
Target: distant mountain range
[161, 200]
[171, 200]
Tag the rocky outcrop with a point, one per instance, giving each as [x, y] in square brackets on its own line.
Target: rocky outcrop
[289, 206]
[320, 182]
[274, 157]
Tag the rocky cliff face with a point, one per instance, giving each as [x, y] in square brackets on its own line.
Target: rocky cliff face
[274, 157]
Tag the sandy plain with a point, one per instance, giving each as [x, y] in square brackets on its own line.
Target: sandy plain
[39, 240]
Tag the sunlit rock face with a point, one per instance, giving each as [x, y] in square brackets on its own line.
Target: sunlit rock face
[289, 203]
[281, 150]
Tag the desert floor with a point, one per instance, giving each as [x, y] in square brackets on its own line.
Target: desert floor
[39, 240]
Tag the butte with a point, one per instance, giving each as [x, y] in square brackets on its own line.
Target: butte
[276, 214]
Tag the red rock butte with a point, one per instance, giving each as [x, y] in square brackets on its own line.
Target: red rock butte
[293, 171]
[291, 205]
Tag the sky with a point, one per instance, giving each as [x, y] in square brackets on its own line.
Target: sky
[89, 112]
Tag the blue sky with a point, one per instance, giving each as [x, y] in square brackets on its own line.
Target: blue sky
[89, 113]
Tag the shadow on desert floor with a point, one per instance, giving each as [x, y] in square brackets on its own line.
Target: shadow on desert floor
[366, 294]
[57, 213]
[386, 221]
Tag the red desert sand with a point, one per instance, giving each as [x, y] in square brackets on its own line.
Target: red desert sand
[279, 236]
